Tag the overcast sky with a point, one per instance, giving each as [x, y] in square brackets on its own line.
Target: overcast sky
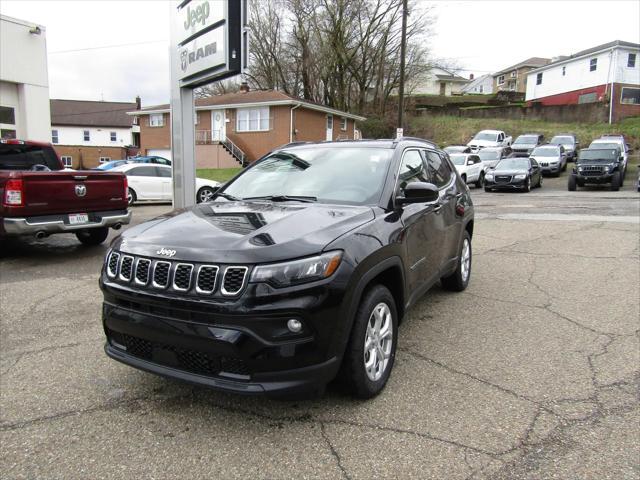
[479, 36]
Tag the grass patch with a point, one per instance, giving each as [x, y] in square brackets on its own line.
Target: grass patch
[450, 130]
[217, 174]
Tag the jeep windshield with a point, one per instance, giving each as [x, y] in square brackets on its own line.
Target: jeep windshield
[458, 159]
[526, 140]
[488, 154]
[513, 164]
[546, 152]
[326, 174]
[608, 155]
[492, 137]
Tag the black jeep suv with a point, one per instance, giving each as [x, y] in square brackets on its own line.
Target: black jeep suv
[598, 166]
[300, 268]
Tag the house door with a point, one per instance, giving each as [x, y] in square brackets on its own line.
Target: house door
[329, 128]
[218, 126]
[443, 88]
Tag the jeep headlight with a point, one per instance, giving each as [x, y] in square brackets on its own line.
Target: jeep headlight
[488, 176]
[579, 169]
[520, 176]
[298, 271]
[606, 169]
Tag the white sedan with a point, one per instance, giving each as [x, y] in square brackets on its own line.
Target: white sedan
[470, 167]
[149, 182]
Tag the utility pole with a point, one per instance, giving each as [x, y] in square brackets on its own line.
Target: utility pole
[403, 51]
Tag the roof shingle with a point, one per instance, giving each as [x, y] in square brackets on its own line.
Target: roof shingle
[91, 113]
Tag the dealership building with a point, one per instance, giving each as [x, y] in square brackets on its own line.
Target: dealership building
[24, 81]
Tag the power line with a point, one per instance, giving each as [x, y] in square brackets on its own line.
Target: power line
[107, 46]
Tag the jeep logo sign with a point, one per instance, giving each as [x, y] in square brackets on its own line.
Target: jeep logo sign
[197, 16]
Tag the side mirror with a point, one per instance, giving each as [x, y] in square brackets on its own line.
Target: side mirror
[470, 162]
[419, 192]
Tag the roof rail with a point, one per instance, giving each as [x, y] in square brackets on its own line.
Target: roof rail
[396, 140]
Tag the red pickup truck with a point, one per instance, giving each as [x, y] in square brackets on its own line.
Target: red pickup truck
[38, 197]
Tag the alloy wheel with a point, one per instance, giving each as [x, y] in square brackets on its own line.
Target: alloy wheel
[465, 260]
[378, 341]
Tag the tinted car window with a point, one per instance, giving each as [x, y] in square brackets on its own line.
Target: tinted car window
[412, 169]
[24, 157]
[438, 168]
[143, 172]
[164, 172]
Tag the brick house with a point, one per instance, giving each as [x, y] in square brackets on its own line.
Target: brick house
[87, 133]
[514, 78]
[608, 73]
[245, 125]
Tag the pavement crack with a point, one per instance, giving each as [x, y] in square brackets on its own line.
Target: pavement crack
[334, 452]
[46, 349]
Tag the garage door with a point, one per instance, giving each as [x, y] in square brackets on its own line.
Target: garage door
[159, 152]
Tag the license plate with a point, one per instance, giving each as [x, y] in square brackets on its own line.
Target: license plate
[78, 218]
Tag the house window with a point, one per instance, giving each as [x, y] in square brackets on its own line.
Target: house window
[480, 89]
[631, 60]
[539, 78]
[630, 96]
[329, 122]
[113, 137]
[593, 64]
[7, 122]
[67, 161]
[105, 159]
[196, 118]
[252, 119]
[54, 136]
[501, 80]
[588, 98]
[343, 124]
[513, 74]
[156, 120]
[564, 71]
[86, 135]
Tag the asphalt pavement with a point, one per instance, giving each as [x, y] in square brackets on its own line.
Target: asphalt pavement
[532, 372]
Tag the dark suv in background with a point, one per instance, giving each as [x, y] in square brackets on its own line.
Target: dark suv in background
[300, 268]
[596, 166]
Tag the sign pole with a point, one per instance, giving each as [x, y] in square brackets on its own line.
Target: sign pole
[182, 134]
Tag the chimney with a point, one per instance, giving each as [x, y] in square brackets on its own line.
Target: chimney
[138, 103]
[471, 76]
[244, 87]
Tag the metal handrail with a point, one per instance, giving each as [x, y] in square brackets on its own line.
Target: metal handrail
[235, 150]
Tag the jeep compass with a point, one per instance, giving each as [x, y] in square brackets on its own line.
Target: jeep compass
[299, 270]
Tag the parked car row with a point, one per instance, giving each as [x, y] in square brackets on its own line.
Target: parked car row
[146, 159]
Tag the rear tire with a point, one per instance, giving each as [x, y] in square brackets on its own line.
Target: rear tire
[458, 280]
[94, 236]
[464, 178]
[571, 185]
[615, 182]
[375, 321]
[480, 181]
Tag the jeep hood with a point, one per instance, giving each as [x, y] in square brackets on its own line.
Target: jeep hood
[243, 232]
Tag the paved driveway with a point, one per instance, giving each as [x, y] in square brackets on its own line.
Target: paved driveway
[533, 372]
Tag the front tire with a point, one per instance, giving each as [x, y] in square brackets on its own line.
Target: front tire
[480, 181]
[459, 280]
[94, 236]
[464, 178]
[527, 185]
[571, 186]
[615, 182]
[371, 350]
[540, 182]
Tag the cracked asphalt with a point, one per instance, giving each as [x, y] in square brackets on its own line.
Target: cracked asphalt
[533, 372]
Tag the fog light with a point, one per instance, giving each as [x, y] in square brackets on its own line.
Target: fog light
[294, 325]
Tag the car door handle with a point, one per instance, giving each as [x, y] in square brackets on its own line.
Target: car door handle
[437, 208]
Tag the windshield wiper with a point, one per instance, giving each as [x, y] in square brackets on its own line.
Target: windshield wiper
[227, 196]
[285, 198]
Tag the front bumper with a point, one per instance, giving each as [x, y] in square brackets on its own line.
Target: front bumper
[60, 223]
[238, 345]
[596, 179]
[512, 185]
[551, 168]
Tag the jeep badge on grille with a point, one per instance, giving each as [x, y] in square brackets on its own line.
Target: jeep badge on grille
[166, 252]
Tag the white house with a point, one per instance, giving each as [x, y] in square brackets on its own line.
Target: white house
[605, 73]
[438, 81]
[480, 86]
[86, 133]
[24, 81]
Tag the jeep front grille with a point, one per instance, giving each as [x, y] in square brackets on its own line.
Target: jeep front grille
[182, 277]
[112, 268]
[233, 280]
[126, 268]
[161, 274]
[142, 271]
[207, 279]
[177, 276]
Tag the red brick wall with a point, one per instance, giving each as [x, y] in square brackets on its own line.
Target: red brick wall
[621, 110]
[89, 157]
[154, 137]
